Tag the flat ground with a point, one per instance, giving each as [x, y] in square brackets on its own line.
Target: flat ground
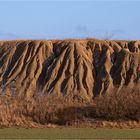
[69, 133]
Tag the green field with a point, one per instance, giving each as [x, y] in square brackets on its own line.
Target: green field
[69, 133]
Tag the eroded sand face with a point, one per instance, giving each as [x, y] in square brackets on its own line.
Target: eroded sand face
[75, 69]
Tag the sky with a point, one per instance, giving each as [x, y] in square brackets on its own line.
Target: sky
[36, 19]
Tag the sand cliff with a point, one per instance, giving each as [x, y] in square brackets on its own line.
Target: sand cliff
[79, 69]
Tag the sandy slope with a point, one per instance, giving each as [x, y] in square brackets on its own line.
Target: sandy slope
[75, 69]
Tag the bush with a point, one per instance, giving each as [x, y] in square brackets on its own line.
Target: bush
[44, 110]
[122, 105]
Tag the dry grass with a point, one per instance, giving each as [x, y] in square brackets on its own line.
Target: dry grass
[122, 105]
[45, 110]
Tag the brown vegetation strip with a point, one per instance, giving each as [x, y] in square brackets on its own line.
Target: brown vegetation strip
[111, 110]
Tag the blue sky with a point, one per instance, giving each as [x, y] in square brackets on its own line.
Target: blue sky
[69, 19]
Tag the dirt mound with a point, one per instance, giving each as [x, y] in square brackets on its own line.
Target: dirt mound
[77, 69]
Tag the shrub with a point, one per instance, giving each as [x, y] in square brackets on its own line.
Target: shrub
[124, 104]
[42, 110]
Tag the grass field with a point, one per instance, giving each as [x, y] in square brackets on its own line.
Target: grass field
[69, 133]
